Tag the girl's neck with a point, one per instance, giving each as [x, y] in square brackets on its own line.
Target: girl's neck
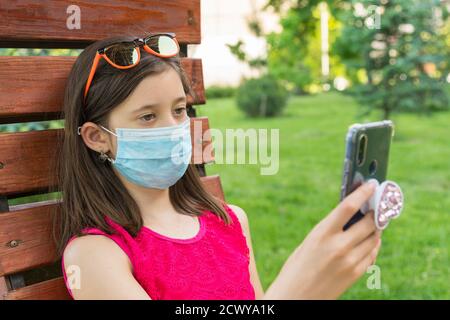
[154, 204]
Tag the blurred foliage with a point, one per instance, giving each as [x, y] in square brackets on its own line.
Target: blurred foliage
[215, 91]
[254, 23]
[38, 52]
[266, 95]
[405, 55]
[255, 63]
[394, 52]
[294, 53]
[287, 50]
[29, 126]
[261, 97]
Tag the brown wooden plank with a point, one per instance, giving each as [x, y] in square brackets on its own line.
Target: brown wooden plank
[29, 23]
[31, 229]
[53, 289]
[27, 158]
[33, 87]
[194, 70]
[202, 148]
[13, 281]
[214, 186]
[3, 288]
[26, 239]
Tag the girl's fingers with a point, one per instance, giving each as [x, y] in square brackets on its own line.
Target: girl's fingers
[349, 206]
[375, 260]
[367, 261]
[360, 230]
[366, 246]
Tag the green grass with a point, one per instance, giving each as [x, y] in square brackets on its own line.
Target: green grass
[283, 208]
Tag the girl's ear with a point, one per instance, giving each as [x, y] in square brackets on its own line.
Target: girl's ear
[95, 137]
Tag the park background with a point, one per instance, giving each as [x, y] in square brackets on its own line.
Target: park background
[321, 67]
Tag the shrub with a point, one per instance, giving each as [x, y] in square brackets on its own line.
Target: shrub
[220, 92]
[261, 97]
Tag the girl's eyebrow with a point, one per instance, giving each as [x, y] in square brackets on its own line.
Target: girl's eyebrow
[150, 106]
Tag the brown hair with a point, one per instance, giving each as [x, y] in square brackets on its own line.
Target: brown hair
[90, 188]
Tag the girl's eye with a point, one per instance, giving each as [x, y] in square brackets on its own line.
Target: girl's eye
[147, 117]
[180, 111]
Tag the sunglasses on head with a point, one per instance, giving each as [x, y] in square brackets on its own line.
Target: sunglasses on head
[125, 55]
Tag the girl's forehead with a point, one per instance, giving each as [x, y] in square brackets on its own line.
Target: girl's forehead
[159, 85]
[157, 90]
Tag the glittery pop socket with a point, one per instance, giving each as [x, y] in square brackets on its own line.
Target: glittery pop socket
[386, 202]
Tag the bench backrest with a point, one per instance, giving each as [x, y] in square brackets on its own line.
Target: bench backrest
[31, 89]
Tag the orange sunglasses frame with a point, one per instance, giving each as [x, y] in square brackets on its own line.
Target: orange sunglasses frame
[138, 42]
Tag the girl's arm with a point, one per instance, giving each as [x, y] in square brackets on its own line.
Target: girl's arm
[330, 260]
[105, 270]
[254, 277]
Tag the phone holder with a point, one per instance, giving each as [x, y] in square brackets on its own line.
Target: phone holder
[386, 203]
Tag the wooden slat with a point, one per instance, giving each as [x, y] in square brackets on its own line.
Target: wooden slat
[202, 150]
[194, 70]
[31, 23]
[214, 186]
[3, 288]
[32, 88]
[27, 158]
[31, 228]
[53, 289]
[25, 161]
[13, 281]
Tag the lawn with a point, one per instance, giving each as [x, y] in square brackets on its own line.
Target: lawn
[282, 208]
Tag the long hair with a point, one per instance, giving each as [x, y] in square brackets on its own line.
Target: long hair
[90, 189]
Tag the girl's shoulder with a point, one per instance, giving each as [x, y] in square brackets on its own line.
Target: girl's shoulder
[97, 242]
[117, 239]
[91, 253]
[237, 213]
[95, 246]
[238, 217]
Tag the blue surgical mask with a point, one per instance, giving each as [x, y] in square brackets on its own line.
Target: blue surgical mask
[154, 157]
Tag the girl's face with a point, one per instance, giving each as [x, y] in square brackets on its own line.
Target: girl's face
[158, 101]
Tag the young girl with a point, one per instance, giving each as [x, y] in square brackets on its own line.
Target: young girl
[136, 222]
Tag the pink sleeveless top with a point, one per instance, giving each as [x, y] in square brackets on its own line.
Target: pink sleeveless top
[213, 265]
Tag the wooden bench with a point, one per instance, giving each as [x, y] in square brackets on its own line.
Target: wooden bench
[31, 89]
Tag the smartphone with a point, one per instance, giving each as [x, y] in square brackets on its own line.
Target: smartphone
[366, 157]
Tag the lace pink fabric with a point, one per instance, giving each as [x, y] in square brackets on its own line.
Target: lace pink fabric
[213, 265]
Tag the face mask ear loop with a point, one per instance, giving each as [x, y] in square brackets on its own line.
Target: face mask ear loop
[79, 128]
[108, 130]
[109, 159]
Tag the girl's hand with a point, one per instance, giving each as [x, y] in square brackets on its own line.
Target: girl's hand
[330, 260]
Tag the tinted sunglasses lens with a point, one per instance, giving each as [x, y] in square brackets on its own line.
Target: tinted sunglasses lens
[122, 54]
[163, 45]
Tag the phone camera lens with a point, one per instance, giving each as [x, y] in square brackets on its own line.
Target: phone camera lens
[362, 145]
[373, 167]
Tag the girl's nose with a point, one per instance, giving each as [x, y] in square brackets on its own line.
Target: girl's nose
[169, 120]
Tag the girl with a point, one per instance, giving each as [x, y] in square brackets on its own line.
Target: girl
[136, 222]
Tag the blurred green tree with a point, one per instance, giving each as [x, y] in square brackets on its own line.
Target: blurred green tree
[294, 52]
[398, 54]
